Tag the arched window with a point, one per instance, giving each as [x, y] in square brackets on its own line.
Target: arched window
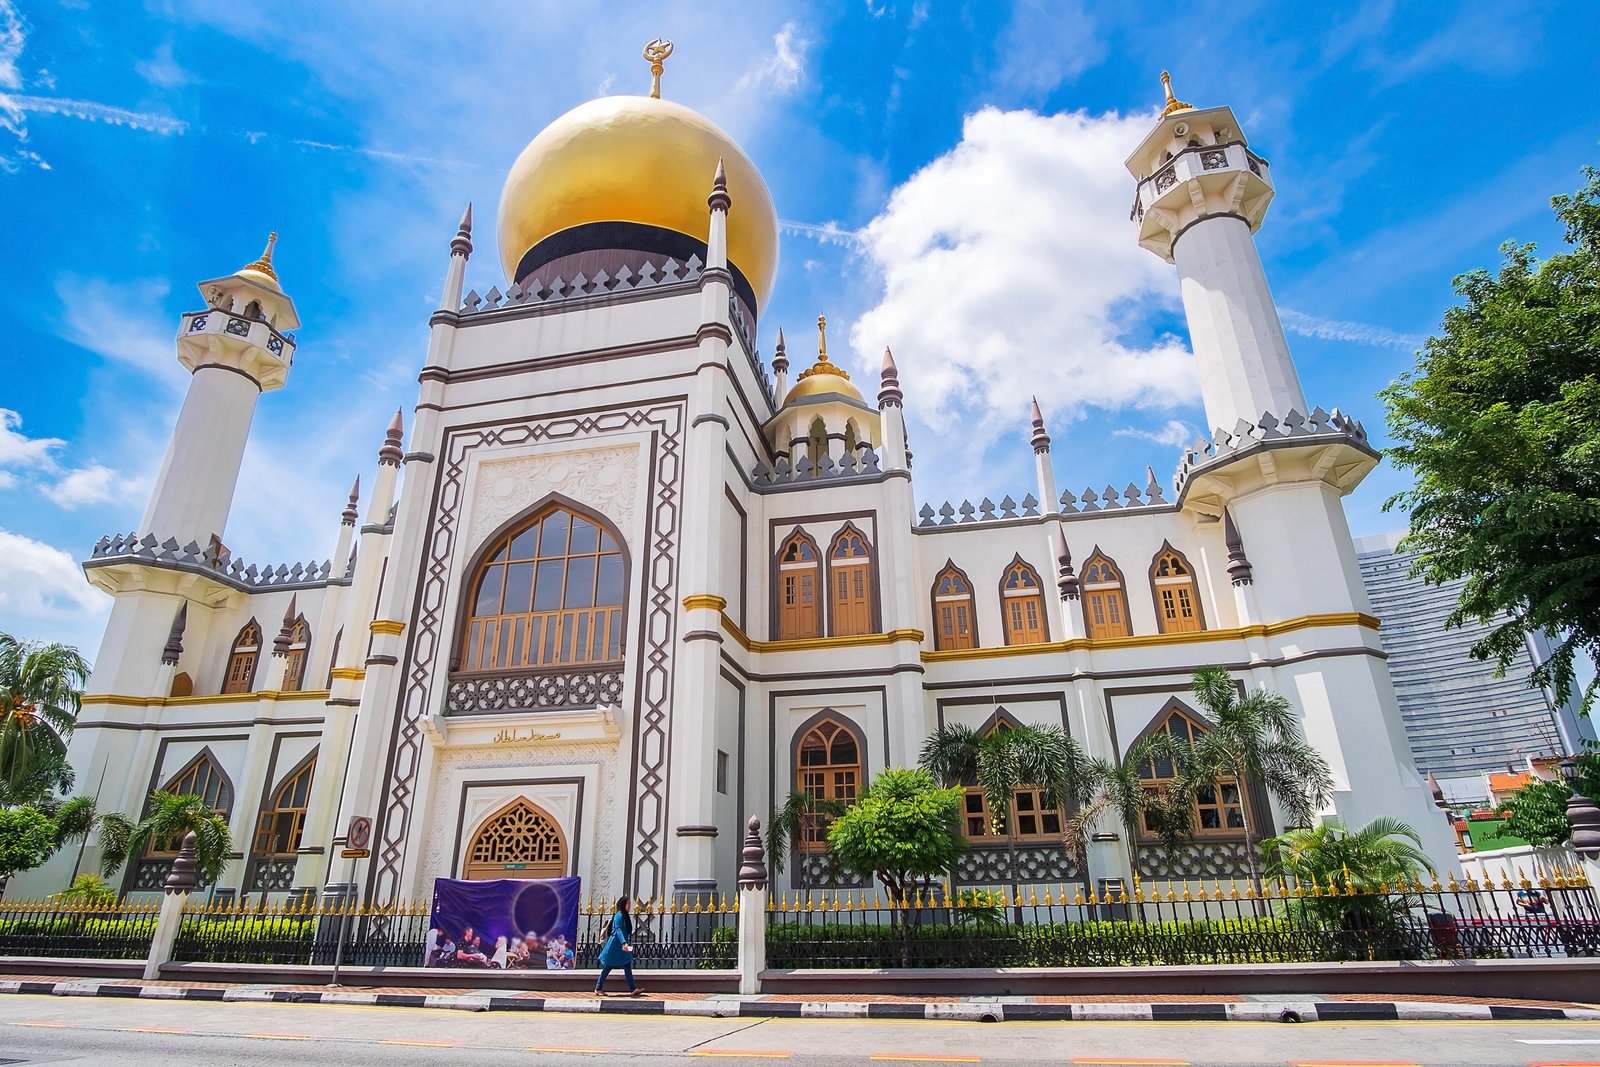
[241, 676]
[817, 442]
[828, 766]
[852, 437]
[1219, 808]
[201, 777]
[1022, 604]
[1033, 820]
[1177, 599]
[1105, 605]
[182, 685]
[550, 592]
[799, 574]
[278, 829]
[294, 671]
[521, 840]
[954, 617]
[850, 582]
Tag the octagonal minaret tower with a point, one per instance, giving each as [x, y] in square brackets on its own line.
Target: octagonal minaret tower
[236, 349]
[1202, 195]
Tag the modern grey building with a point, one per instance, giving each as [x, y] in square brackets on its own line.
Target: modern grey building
[1459, 717]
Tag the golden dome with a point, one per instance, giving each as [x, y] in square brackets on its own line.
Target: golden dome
[261, 271]
[640, 160]
[819, 382]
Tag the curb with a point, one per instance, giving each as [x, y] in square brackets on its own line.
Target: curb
[1284, 1011]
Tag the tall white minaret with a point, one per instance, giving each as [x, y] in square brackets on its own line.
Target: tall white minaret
[1202, 195]
[236, 349]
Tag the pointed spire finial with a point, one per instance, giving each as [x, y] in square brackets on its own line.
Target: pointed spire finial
[822, 366]
[390, 453]
[1173, 103]
[461, 244]
[1066, 578]
[657, 52]
[348, 518]
[285, 638]
[1239, 569]
[719, 200]
[174, 646]
[889, 395]
[264, 264]
[1040, 439]
[780, 355]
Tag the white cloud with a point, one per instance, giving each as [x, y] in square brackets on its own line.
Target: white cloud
[92, 111]
[7, 480]
[38, 581]
[12, 38]
[17, 449]
[1009, 268]
[1044, 45]
[1174, 433]
[94, 484]
[785, 68]
[162, 70]
[122, 321]
[1360, 333]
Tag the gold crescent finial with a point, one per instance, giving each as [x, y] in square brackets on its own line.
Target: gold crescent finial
[657, 52]
[1173, 103]
[264, 264]
[822, 338]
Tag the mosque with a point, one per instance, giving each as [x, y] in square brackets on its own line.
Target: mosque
[620, 580]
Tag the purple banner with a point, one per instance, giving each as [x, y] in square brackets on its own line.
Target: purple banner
[506, 923]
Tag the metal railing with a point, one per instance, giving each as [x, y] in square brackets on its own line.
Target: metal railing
[1043, 926]
[118, 930]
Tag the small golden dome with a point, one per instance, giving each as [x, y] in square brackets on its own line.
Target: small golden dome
[823, 377]
[261, 271]
[636, 159]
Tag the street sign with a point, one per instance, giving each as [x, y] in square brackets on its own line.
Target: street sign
[354, 853]
[359, 833]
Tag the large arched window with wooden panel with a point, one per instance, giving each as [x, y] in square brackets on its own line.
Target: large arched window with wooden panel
[1176, 595]
[242, 659]
[1022, 604]
[799, 576]
[201, 777]
[828, 767]
[1105, 600]
[280, 825]
[294, 671]
[955, 617]
[850, 583]
[1032, 818]
[549, 591]
[1219, 809]
[521, 840]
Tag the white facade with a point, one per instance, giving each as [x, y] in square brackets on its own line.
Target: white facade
[642, 408]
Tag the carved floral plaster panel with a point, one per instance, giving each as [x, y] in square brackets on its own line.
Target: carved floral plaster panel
[605, 480]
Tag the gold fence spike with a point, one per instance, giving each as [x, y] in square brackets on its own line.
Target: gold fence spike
[850, 903]
[1523, 879]
[1218, 894]
[1450, 880]
[1233, 889]
[877, 901]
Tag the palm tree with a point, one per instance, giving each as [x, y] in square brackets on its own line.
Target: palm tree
[1120, 789]
[786, 829]
[1385, 852]
[1045, 758]
[41, 688]
[1254, 738]
[75, 820]
[169, 817]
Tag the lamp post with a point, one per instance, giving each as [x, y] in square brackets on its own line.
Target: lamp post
[1581, 813]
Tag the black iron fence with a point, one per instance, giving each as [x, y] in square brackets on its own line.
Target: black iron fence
[117, 930]
[1186, 924]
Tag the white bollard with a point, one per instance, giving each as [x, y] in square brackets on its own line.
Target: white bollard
[752, 909]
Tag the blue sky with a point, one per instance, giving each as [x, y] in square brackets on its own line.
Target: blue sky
[953, 173]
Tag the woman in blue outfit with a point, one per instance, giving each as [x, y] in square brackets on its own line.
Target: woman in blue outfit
[618, 949]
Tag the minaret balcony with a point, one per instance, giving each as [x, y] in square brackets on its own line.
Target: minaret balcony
[1198, 182]
[218, 335]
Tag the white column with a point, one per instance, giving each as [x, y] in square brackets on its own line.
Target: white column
[195, 487]
[1239, 346]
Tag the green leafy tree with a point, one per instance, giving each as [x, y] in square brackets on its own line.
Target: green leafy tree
[1010, 758]
[170, 816]
[41, 688]
[786, 830]
[900, 831]
[27, 838]
[1498, 423]
[1536, 813]
[90, 890]
[1384, 852]
[1254, 738]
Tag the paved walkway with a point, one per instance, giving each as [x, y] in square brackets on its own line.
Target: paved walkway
[1302, 1008]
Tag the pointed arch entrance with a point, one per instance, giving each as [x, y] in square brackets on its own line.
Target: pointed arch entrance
[521, 840]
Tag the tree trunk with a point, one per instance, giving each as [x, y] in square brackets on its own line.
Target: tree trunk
[1250, 846]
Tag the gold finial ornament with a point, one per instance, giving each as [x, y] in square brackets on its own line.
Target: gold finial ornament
[1173, 103]
[264, 264]
[657, 52]
[822, 366]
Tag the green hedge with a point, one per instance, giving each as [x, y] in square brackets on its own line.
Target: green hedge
[77, 936]
[273, 939]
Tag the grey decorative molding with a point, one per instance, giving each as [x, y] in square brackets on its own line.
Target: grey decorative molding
[527, 690]
[1267, 432]
[214, 561]
[864, 464]
[648, 276]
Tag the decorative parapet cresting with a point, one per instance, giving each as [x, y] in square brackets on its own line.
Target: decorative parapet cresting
[532, 690]
[1268, 431]
[864, 464]
[214, 561]
[671, 272]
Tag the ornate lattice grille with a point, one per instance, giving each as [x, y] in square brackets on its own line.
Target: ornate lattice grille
[522, 841]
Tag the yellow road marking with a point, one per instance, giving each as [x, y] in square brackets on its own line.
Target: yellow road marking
[40, 1024]
[906, 1058]
[1566, 1063]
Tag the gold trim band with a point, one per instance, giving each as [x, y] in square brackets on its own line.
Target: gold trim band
[704, 600]
[811, 644]
[388, 626]
[1271, 629]
[353, 674]
[117, 700]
